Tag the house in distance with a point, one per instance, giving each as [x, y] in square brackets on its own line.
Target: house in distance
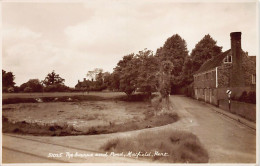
[232, 70]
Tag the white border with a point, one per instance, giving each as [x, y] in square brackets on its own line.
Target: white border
[136, 1]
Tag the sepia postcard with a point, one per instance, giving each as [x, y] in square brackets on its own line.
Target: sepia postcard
[105, 82]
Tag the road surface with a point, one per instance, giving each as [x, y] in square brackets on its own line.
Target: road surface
[226, 140]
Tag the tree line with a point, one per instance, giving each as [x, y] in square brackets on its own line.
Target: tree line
[167, 70]
[52, 83]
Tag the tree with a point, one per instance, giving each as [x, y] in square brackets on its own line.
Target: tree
[54, 83]
[127, 71]
[148, 71]
[187, 72]
[53, 79]
[165, 78]
[205, 49]
[165, 83]
[175, 51]
[7, 79]
[115, 80]
[33, 85]
[93, 73]
[107, 79]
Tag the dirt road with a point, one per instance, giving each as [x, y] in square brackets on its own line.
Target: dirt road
[226, 140]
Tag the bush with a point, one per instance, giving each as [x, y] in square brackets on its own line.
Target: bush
[248, 97]
[243, 97]
[252, 97]
[56, 88]
[137, 97]
[28, 89]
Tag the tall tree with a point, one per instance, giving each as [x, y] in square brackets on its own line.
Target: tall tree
[205, 49]
[7, 79]
[127, 71]
[187, 72]
[148, 71]
[53, 79]
[93, 74]
[175, 51]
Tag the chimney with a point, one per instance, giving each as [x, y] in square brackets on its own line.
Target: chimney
[84, 79]
[237, 76]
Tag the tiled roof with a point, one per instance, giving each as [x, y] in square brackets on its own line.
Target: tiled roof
[213, 62]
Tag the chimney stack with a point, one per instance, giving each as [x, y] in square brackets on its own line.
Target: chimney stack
[237, 76]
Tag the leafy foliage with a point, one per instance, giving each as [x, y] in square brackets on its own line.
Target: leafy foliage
[93, 74]
[33, 85]
[187, 72]
[205, 49]
[53, 79]
[165, 78]
[54, 83]
[248, 97]
[148, 71]
[175, 51]
[128, 73]
[98, 81]
[7, 80]
[137, 72]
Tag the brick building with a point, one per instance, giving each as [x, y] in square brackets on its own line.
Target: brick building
[232, 70]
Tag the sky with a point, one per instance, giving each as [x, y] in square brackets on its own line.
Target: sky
[74, 38]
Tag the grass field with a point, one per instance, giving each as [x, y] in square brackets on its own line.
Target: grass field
[86, 114]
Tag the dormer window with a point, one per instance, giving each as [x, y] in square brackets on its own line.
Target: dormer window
[228, 59]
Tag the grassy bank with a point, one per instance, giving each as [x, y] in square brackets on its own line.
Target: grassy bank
[63, 129]
[165, 146]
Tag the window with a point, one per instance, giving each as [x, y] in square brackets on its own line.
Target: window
[253, 79]
[228, 59]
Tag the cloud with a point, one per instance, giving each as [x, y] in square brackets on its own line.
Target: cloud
[72, 39]
[28, 55]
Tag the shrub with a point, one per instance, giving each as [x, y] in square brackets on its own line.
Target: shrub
[248, 97]
[137, 97]
[182, 147]
[28, 89]
[243, 97]
[252, 97]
